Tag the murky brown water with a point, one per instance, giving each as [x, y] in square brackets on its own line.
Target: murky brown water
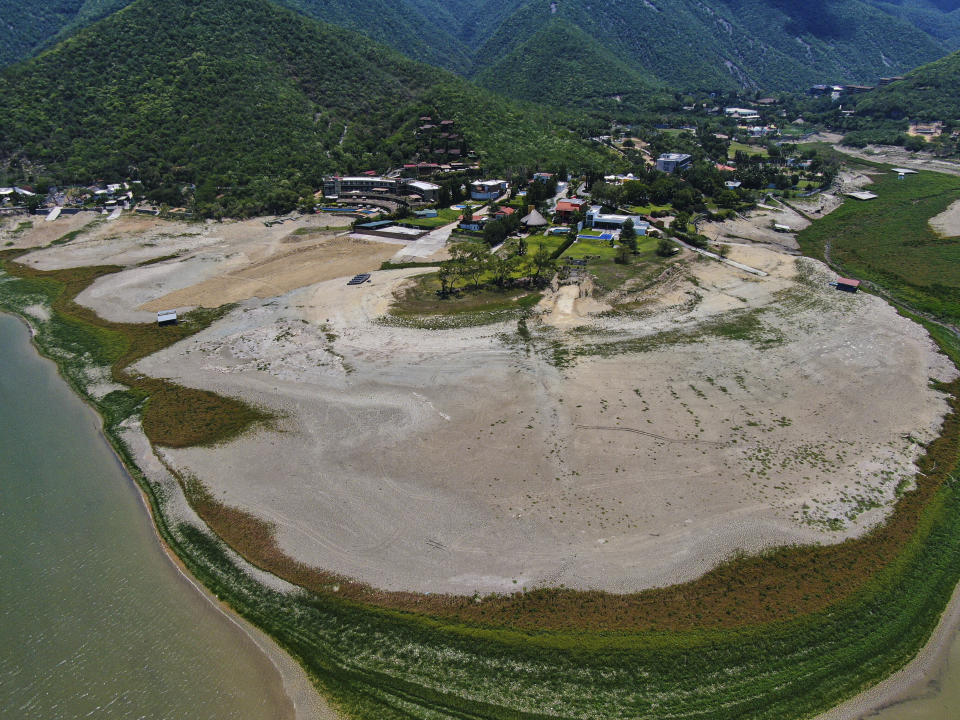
[95, 621]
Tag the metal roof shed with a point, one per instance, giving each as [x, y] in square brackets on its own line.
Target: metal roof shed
[848, 284]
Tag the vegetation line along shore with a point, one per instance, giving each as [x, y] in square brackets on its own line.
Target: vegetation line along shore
[858, 610]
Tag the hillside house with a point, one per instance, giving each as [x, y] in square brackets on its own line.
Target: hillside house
[488, 189]
[596, 218]
[673, 162]
[741, 113]
[567, 209]
[475, 223]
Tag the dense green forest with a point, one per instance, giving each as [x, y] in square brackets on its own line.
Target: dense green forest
[690, 44]
[928, 93]
[773, 44]
[251, 102]
[561, 64]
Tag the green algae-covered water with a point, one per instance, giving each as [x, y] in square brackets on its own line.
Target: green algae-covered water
[95, 621]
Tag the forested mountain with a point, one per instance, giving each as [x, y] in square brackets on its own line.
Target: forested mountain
[244, 95]
[938, 18]
[29, 25]
[689, 44]
[712, 44]
[928, 93]
[560, 65]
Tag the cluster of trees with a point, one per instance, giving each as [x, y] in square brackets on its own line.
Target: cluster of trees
[474, 264]
[497, 231]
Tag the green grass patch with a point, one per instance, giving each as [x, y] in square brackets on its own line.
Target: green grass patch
[173, 415]
[421, 305]
[444, 217]
[889, 241]
[650, 208]
[752, 150]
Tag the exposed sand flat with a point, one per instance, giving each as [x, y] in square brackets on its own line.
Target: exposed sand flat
[757, 227]
[209, 263]
[947, 223]
[280, 273]
[463, 461]
[42, 232]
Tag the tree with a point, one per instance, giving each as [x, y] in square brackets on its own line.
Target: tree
[502, 268]
[623, 255]
[542, 262]
[628, 236]
[665, 248]
[521, 247]
[476, 264]
[447, 275]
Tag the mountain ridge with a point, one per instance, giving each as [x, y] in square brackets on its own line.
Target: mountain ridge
[688, 44]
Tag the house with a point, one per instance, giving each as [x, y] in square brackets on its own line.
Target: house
[504, 212]
[847, 284]
[335, 186]
[488, 189]
[741, 113]
[597, 219]
[429, 192]
[426, 213]
[673, 162]
[543, 177]
[619, 179]
[567, 209]
[732, 184]
[474, 223]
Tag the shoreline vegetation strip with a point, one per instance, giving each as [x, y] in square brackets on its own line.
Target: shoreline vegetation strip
[783, 635]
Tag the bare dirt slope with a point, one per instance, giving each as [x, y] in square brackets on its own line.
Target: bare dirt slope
[640, 450]
[947, 223]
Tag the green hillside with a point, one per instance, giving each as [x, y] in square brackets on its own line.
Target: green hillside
[689, 44]
[28, 25]
[245, 98]
[938, 18]
[772, 44]
[560, 65]
[931, 92]
[31, 25]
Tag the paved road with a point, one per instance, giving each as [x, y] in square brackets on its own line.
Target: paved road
[426, 246]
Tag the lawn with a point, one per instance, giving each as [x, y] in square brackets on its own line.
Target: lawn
[651, 208]
[444, 217]
[748, 149]
[889, 241]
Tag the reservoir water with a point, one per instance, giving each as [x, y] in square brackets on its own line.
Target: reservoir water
[95, 620]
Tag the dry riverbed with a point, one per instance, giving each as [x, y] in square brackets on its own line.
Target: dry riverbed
[614, 450]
